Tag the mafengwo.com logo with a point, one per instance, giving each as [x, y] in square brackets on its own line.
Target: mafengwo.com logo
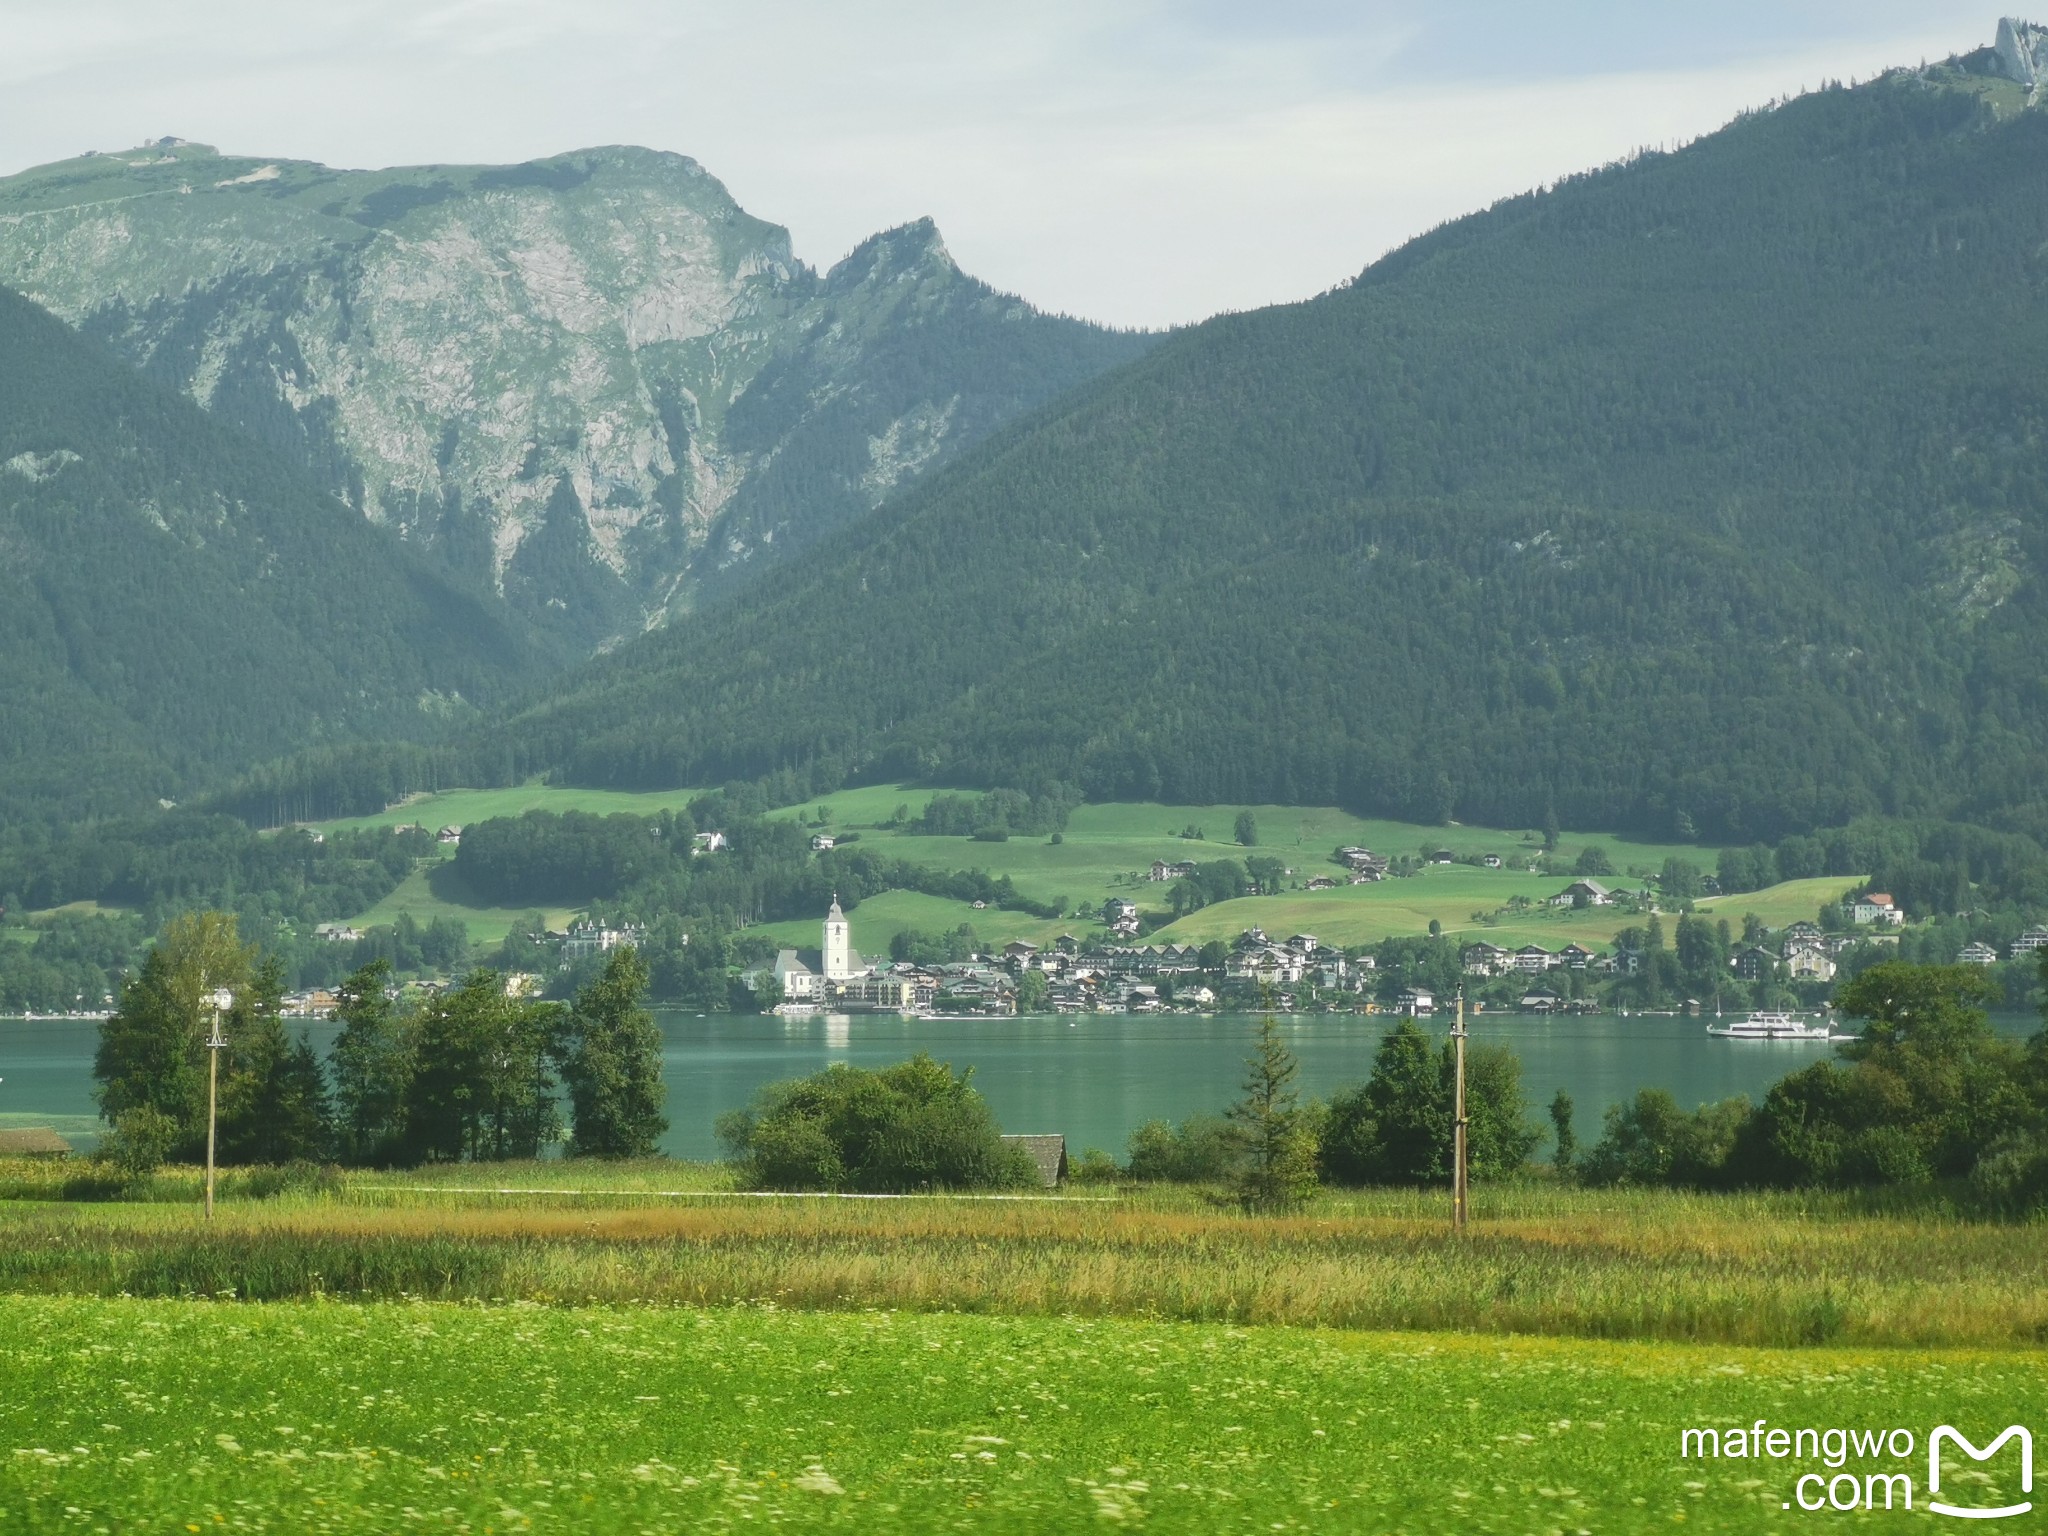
[1873, 1468]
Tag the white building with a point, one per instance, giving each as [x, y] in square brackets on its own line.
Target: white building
[840, 960]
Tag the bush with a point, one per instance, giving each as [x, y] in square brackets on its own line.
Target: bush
[1650, 1140]
[1095, 1167]
[912, 1126]
[2012, 1176]
[138, 1145]
[1202, 1149]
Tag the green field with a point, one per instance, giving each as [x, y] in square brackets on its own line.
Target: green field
[196, 1416]
[1106, 850]
[437, 891]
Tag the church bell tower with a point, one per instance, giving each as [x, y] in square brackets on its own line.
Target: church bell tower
[838, 946]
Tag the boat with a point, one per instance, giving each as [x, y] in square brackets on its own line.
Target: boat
[1772, 1026]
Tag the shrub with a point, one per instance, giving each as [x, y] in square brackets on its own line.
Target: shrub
[1202, 1149]
[1650, 1140]
[911, 1126]
[138, 1145]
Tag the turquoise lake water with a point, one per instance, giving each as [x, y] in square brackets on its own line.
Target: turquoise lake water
[1094, 1078]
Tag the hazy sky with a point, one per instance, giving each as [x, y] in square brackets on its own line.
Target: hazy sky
[1134, 161]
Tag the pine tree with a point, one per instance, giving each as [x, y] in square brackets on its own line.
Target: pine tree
[1278, 1170]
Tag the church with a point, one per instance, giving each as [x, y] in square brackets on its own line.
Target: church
[816, 975]
[834, 975]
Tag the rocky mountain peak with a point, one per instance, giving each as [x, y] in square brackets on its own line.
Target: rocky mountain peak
[2021, 49]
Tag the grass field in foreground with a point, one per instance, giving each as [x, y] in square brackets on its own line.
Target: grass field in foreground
[194, 1417]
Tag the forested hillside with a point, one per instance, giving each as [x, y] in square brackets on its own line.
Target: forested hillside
[176, 602]
[1703, 493]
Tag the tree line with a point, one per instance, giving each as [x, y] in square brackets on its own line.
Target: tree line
[472, 1072]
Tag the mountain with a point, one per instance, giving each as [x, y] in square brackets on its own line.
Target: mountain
[593, 383]
[176, 602]
[1707, 491]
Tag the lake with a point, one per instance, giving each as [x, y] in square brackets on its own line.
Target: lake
[1094, 1078]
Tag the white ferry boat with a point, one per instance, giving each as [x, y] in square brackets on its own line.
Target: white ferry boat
[1771, 1026]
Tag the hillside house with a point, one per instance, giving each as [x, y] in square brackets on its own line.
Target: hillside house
[1809, 962]
[1575, 957]
[1583, 893]
[1977, 954]
[1877, 907]
[338, 933]
[1303, 943]
[589, 938]
[823, 842]
[2031, 942]
[1165, 870]
[1485, 959]
[1321, 883]
[1754, 963]
[448, 837]
[1120, 917]
[1491, 861]
[1532, 958]
[706, 842]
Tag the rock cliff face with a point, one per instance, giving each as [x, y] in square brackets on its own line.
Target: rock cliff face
[2022, 51]
[593, 382]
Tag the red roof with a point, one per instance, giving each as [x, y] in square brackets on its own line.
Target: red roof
[1878, 899]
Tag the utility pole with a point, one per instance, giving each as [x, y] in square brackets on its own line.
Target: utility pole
[1458, 1149]
[220, 1002]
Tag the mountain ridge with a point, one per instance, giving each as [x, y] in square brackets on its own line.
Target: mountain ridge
[1700, 491]
[448, 347]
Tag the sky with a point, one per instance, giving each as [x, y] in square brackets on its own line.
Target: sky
[1135, 162]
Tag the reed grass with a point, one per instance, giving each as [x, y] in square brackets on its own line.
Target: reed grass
[1773, 1270]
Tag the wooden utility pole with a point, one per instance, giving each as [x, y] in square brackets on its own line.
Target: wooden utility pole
[216, 1042]
[1458, 1147]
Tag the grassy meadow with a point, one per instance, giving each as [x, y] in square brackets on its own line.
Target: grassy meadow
[193, 1417]
[1106, 851]
[640, 1347]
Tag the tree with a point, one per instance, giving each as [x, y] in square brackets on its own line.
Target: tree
[1551, 829]
[1032, 992]
[1593, 860]
[1399, 1127]
[481, 1087]
[611, 1061]
[1247, 829]
[1278, 1170]
[373, 1066]
[1393, 1129]
[1567, 1138]
[1679, 882]
[151, 1051]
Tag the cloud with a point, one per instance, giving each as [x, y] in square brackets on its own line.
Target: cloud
[1142, 163]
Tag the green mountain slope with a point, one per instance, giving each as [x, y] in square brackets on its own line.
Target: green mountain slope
[1703, 492]
[175, 601]
[593, 382]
